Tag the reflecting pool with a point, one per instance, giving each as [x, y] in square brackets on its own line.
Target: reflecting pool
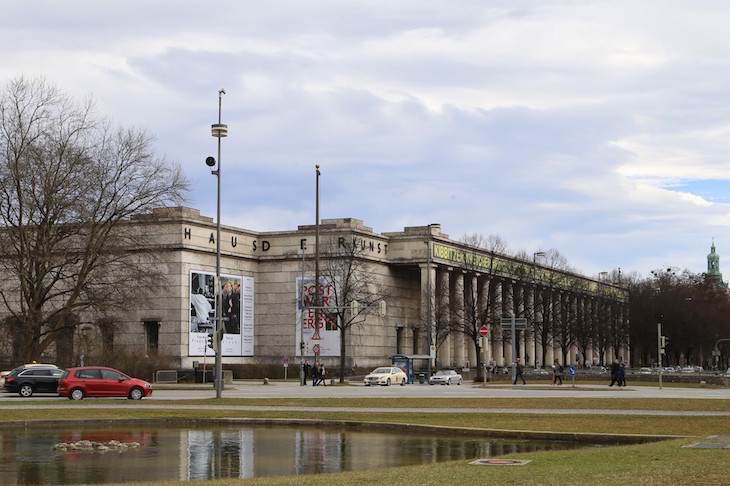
[31, 456]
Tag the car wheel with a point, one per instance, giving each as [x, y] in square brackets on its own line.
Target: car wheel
[136, 393]
[459, 382]
[26, 390]
[387, 383]
[403, 382]
[448, 382]
[76, 394]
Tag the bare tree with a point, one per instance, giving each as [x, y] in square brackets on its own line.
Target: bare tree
[436, 323]
[547, 329]
[491, 243]
[356, 291]
[70, 183]
[480, 310]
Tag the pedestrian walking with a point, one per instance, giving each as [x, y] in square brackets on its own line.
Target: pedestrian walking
[315, 373]
[306, 368]
[519, 370]
[615, 370]
[622, 375]
[557, 373]
[322, 375]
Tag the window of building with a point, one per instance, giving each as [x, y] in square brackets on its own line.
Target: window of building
[415, 340]
[152, 331]
[106, 326]
[399, 341]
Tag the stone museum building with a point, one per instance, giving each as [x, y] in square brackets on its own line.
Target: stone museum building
[436, 295]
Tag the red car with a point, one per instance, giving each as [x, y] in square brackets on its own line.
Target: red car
[99, 381]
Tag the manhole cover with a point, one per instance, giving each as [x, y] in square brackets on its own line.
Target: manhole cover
[708, 445]
[499, 462]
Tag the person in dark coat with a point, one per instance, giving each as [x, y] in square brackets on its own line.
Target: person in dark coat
[615, 370]
[519, 370]
[306, 368]
[315, 373]
[622, 375]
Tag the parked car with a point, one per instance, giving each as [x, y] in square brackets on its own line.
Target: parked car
[445, 377]
[99, 381]
[645, 371]
[537, 371]
[3, 374]
[386, 375]
[33, 378]
[727, 373]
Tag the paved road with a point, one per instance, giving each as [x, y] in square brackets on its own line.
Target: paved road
[291, 389]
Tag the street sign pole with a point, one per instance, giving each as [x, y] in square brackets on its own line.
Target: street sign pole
[484, 341]
[486, 346]
[514, 325]
[659, 352]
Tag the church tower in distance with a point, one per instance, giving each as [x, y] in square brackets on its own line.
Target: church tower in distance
[713, 266]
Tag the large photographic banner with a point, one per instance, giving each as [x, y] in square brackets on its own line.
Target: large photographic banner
[237, 313]
[322, 339]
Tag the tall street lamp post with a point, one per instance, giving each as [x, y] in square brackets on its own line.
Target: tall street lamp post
[218, 130]
[317, 298]
[534, 302]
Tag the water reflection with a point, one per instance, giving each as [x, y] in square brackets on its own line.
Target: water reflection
[27, 456]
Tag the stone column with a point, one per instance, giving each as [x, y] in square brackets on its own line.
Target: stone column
[469, 286]
[445, 292]
[550, 317]
[495, 340]
[482, 289]
[428, 316]
[501, 345]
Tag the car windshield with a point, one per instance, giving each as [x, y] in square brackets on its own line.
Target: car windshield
[442, 372]
[380, 371]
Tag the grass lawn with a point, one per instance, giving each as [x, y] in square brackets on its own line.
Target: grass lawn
[663, 462]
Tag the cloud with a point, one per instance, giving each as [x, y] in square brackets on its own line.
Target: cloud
[596, 128]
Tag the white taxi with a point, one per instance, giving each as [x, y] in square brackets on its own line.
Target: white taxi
[386, 375]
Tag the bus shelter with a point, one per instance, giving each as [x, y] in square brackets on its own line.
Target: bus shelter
[406, 362]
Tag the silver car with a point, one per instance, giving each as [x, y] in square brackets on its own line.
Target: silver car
[446, 377]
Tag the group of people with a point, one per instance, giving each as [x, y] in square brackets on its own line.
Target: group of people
[557, 372]
[618, 373]
[318, 372]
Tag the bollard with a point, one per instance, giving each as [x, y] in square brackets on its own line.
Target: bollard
[266, 381]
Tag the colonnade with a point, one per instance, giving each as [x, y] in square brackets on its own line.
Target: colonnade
[577, 324]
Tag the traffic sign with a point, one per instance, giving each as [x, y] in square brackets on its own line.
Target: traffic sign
[483, 331]
[571, 370]
[285, 360]
[519, 323]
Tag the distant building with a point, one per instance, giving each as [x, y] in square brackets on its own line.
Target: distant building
[713, 274]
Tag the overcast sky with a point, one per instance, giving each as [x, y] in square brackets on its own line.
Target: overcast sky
[600, 129]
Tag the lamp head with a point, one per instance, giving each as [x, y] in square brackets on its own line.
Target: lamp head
[210, 161]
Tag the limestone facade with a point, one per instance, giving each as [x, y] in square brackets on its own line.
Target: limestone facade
[428, 280]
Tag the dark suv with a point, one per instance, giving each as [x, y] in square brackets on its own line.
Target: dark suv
[28, 379]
